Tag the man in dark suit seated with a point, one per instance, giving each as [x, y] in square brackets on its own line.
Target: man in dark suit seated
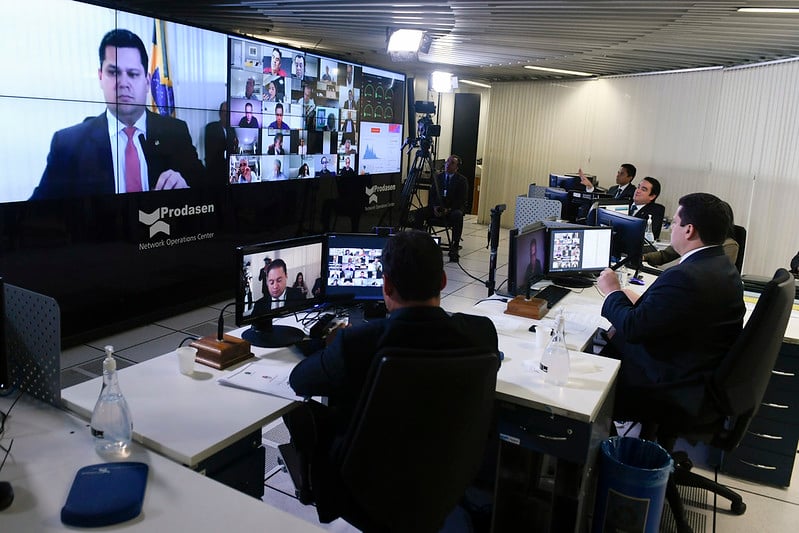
[446, 201]
[277, 291]
[127, 148]
[413, 276]
[644, 205]
[623, 189]
[673, 336]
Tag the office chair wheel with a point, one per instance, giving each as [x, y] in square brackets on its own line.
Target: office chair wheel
[738, 508]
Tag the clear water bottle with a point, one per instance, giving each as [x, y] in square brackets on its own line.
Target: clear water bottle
[649, 235]
[112, 425]
[555, 361]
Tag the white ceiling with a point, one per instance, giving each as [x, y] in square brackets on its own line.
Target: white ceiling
[485, 40]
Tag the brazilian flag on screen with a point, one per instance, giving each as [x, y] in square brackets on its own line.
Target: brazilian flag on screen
[160, 80]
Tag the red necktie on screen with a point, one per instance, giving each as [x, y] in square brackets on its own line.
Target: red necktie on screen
[132, 165]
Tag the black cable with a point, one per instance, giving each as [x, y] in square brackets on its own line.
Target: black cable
[192, 338]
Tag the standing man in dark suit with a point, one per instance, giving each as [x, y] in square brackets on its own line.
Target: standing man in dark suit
[413, 276]
[446, 200]
[278, 293]
[220, 144]
[644, 205]
[127, 148]
[623, 189]
[675, 335]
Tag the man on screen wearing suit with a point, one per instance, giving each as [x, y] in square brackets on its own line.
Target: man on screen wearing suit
[220, 144]
[623, 189]
[278, 293]
[644, 204]
[127, 148]
[671, 338]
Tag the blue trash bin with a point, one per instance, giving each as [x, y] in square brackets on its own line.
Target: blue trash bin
[633, 474]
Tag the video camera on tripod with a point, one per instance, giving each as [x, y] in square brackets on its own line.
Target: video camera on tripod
[425, 129]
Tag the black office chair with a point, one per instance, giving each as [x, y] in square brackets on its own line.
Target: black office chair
[441, 228]
[739, 234]
[417, 438]
[733, 394]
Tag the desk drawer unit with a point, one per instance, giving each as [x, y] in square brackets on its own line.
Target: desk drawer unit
[767, 452]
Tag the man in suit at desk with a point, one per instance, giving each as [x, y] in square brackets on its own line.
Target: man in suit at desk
[644, 204]
[277, 293]
[447, 201]
[623, 189]
[677, 332]
[127, 148]
[413, 276]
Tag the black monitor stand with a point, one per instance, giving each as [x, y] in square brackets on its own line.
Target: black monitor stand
[574, 281]
[264, 334]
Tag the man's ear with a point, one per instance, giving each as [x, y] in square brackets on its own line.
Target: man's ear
[443, 280]
[388, 287]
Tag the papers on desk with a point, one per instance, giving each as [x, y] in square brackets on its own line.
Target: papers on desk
[265, 376]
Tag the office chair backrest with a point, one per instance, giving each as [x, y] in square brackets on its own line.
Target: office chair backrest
[739, 234]
[418, 436]
[741, 380]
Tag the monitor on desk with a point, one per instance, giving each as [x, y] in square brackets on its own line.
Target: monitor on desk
[266, 277]
[354, 266]
[577, 254]
[617, 205]
[526, 258]
[570, 183]
[564, 197]
[628, 236]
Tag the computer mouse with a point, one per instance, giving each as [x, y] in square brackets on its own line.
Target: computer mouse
[531, 329]
[6, 495]
[636, 281]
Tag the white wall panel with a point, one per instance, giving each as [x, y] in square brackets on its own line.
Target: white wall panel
[730, 132]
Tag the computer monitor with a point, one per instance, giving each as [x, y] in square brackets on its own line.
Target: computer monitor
[617, 205]
[576, 254]
[628, 236]
[570, 183]
[266, 275]
[526, 257]
[562, 196]
[354, 266]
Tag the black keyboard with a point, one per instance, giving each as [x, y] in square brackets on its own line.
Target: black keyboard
[552, 294]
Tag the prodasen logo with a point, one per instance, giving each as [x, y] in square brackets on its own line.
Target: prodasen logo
[156, 219]
[371, 192]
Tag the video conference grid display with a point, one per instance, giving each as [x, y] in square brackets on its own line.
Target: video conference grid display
[297, 115]
[68, 139]
[355, 267]
[575, 250]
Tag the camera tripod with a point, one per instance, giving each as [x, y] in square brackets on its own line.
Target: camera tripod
[409, 198]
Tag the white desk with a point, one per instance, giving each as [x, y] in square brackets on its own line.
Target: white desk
[50, 445]
[185, 418]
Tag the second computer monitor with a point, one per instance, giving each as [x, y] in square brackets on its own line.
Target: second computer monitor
[354, 267]
[578, 250]
[628, 235]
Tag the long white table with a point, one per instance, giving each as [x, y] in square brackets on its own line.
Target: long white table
[50, 445]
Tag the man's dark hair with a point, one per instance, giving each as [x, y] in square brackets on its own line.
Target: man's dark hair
[630, 168]
[278, 52]
[123, 39]
[412, 261]
[278, 105]
[708, 215]
[655, 185]
[278, 136]
[247, 104]
[277, 263]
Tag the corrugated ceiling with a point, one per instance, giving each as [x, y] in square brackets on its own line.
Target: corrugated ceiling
[492, 41]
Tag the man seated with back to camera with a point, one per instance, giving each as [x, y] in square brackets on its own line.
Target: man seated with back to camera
[671, 338]
[447, 201]
[413, 277]
[644, 204]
